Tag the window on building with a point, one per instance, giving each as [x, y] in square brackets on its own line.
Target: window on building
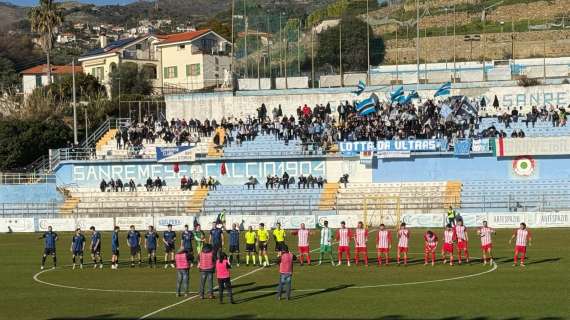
[138, 46]
[99, 73]
[38, 80]
[170, 72]
[181, 47]
[192, 70]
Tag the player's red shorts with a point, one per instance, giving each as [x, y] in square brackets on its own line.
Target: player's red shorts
[304, 250]
[520, 249]
[448, 247]
[403, 249]
[383, 250]
[428, 248]
[361, 250]
[345, 249]
[462, 245]
[486, 247]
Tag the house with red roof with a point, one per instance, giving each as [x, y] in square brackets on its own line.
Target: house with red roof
[102, 61]
[179, 62]
[194, 60]
[37, 76]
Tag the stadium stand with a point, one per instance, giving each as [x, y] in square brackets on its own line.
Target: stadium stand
[541, 128]
[238, 199]
[94, 203]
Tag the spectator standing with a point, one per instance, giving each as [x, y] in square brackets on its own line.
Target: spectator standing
[285, 273]
[182, 272]
[223, 275]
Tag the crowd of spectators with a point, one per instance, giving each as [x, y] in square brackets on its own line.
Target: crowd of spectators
[322, 126]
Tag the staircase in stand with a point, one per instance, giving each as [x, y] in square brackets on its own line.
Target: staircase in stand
[68, 206]
[328, 197]
[110, 135]
[196, 203]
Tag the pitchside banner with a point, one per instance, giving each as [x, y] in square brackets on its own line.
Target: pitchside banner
[531, 146]
[352, 148]
[17, 225]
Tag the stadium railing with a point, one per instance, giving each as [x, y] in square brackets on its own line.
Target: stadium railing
[26, 178]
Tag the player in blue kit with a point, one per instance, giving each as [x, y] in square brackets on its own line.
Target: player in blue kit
[234, 244]
[96, 248]
[134, 243]
[217, 237]
[115, 248]
[50, 238]
[186, 242]
[150, 243]
[77, 247]
[169, 239]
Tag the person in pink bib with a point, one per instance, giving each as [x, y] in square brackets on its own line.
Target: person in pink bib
[223, 267]
[285, 272]
[182, 260]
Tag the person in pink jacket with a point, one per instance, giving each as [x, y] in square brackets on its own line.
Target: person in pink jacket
[285, 272]
[182, 272]
[223, 267]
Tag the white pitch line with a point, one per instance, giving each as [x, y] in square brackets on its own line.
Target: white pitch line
[192, 297]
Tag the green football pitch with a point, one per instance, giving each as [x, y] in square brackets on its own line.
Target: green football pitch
[474, 291]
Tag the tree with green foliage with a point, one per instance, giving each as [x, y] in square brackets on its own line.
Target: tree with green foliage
[87, 87]
[354, 48]
[131, 80]
[45, 19]
[8, 75]
[23, 141]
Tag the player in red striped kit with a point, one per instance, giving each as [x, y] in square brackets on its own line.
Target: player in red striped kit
[360, 241]
[343, 236]
[449, 237]
[523, 236]
[403, 239]
[486, 242]
[430, 245]
[383, 244]
[462, 241]
[303, 243]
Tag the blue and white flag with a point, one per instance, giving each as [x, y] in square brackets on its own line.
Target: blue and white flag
[445, 111]
[368, 110]
[360, 88]
[365, 103]
[444, 90]
[407, 99]
[396, 94]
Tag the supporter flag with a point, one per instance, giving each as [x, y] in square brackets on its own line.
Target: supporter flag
[359, 88]
[367, 106]
[396, 94]
[444, 90]
[407, 99]
[223, 169]
[445, 111]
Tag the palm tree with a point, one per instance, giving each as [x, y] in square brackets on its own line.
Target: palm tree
[45, 19]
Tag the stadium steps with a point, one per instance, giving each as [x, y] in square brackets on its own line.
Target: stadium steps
[68, 206]
[110, 135]
[328, 197]
[214, 152]
[453, 193]
[196, 203]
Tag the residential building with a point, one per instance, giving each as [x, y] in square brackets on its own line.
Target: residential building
[194, 60]
[37, 76]
[100, 62]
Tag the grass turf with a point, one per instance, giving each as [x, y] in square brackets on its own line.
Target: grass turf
[539, 291]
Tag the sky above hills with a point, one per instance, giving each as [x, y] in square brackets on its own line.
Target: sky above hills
[97, 2]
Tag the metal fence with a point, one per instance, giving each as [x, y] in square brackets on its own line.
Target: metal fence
[26, 178]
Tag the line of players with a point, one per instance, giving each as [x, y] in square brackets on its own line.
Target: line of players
[256, 242]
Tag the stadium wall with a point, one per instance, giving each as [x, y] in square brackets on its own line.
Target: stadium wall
[30, 193]
[467, 168]
[245, 103]
[495, 219]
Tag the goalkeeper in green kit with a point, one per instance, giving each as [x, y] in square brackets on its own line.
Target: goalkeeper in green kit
[326, 242]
